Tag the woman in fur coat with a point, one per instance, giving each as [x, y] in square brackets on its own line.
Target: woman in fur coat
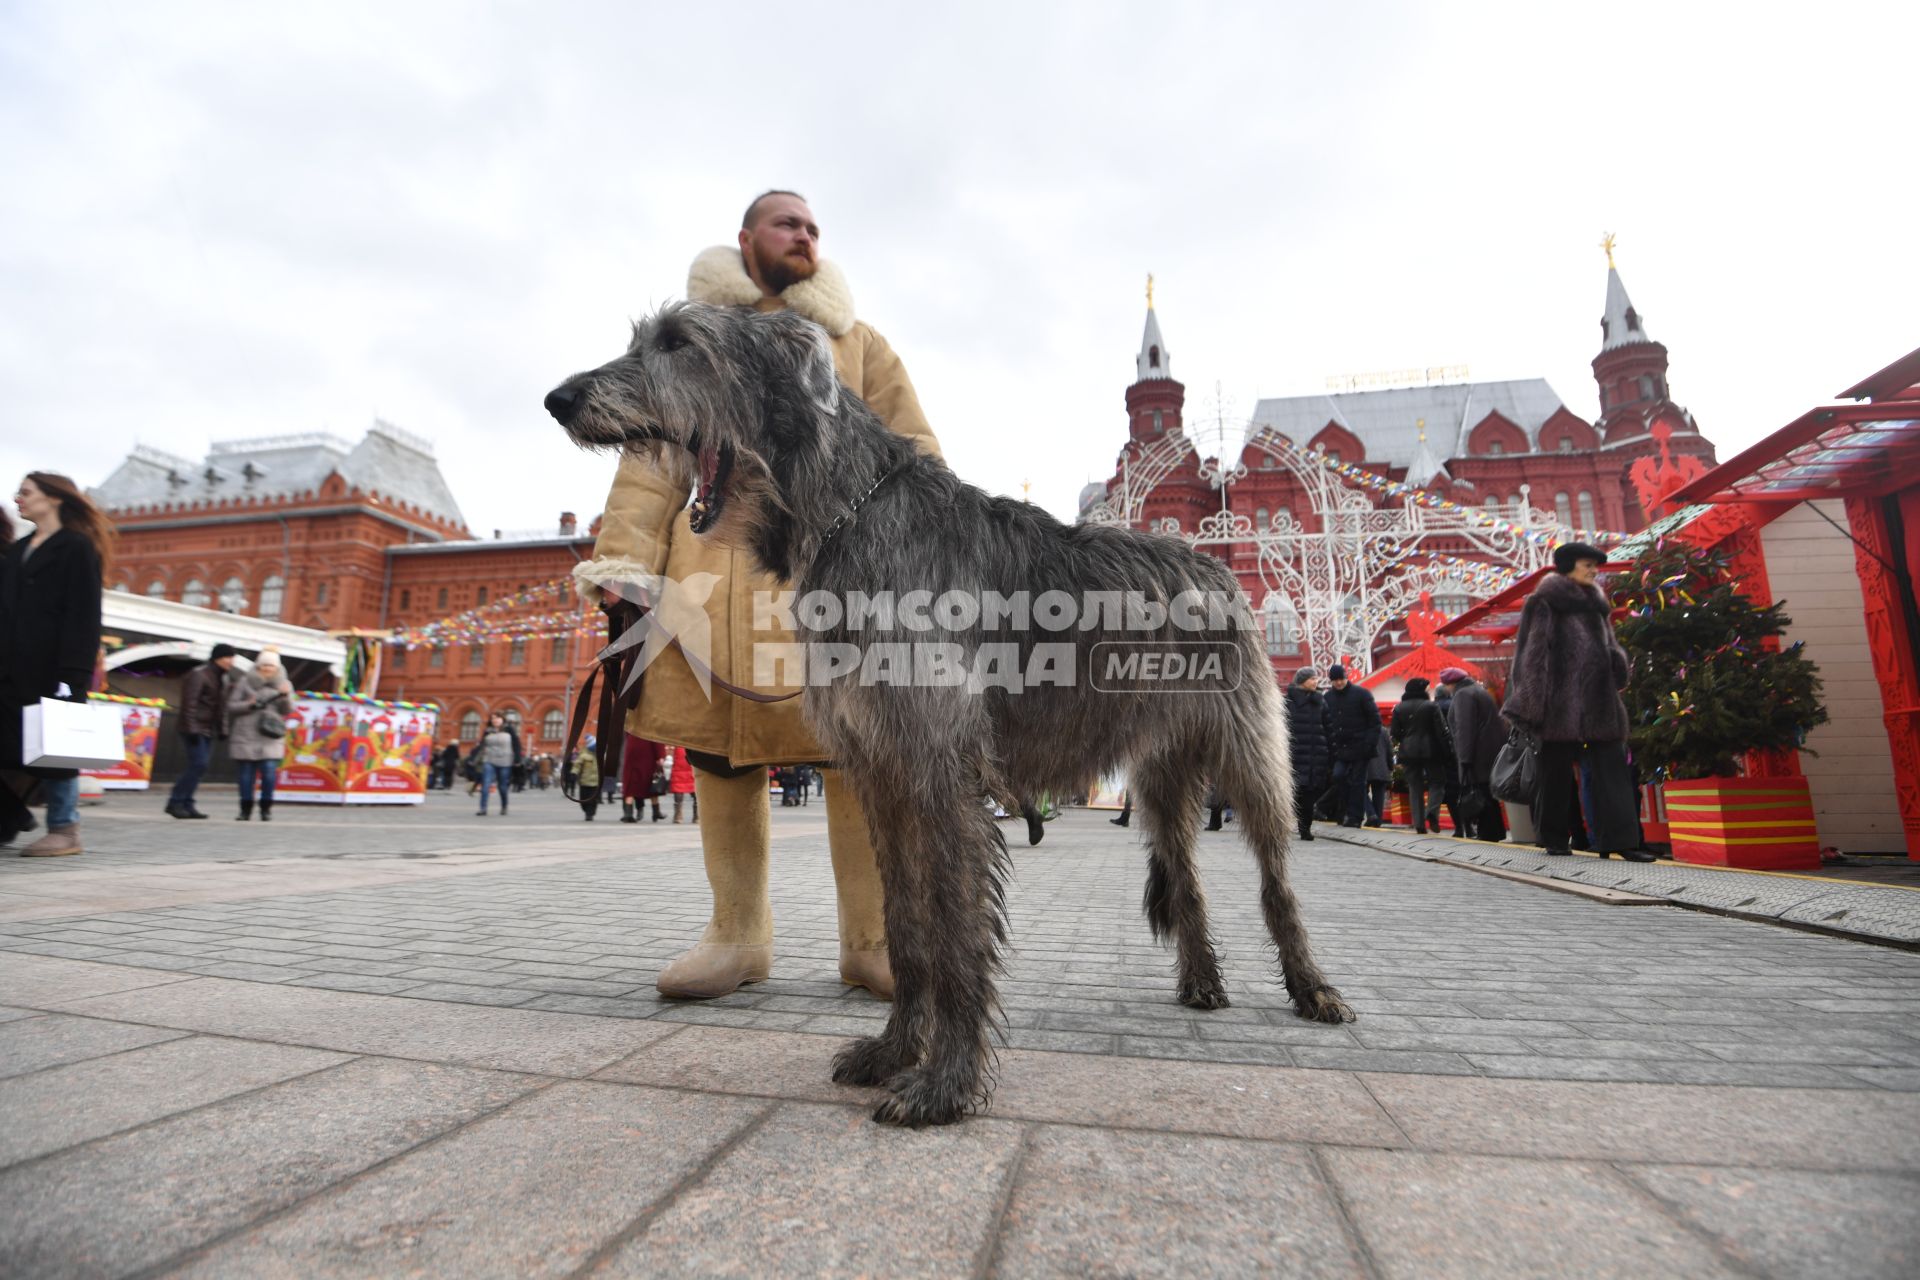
[1568, 670]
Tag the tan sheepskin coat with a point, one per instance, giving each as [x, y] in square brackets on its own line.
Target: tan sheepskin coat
[644, 532]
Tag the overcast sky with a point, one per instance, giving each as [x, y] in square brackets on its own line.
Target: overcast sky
[220, 221]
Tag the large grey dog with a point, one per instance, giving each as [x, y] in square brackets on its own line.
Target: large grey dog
[794, 468]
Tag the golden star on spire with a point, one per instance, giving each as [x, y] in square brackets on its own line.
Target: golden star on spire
[1149, 290]
[1607, 242]
[1422, 424]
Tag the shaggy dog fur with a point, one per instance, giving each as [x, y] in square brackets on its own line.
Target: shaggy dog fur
[794, 468]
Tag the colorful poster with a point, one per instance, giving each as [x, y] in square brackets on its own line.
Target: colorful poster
[319, 751]
[392, 751]
[140, 722]
[1108, 793]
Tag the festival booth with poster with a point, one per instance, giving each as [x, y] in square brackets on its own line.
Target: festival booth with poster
[348, 749]
[140, 723]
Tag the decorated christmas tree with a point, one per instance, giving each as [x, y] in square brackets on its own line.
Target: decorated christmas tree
[1710, 679]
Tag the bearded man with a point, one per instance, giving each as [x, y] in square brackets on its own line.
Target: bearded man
[732, 740]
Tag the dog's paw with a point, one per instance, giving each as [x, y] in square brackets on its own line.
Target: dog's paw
[1323, 1004]
[922, 1097]
[868, 1061]
[1205, 993]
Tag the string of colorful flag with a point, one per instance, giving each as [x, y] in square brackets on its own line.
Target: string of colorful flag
[1433, 501]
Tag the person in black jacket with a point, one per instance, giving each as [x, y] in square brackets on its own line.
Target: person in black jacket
[1477, 739]
[50, 632]
[1353, 720]
[1445, 766]
[1310, 735]
[203, 718]
[1416, 738]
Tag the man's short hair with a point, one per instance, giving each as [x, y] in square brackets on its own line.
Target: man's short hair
[746, 221]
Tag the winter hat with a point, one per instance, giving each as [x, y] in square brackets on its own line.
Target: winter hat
[223, 650]
[1572, 553]
[1336, 672]
[1304, 674]
[1452, 675]
[268, 658]
[1417, 687]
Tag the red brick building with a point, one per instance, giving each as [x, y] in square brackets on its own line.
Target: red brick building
[1494, 446]
[312, 530]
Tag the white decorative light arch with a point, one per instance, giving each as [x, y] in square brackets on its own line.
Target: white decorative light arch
[1355, 566]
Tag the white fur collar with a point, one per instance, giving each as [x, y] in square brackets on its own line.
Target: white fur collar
[719, 276]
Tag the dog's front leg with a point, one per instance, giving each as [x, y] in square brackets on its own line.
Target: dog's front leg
[944, 921]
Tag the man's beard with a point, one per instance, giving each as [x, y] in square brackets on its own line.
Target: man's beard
[779, 274]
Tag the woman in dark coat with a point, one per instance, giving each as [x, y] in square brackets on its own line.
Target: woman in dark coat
[1416, 734]
[50, 634]
[1310, 735]
[1568, 670]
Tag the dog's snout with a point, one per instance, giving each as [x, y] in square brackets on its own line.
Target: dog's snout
[563, 402]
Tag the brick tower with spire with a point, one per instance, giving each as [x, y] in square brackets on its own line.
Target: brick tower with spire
[1638, 416]
[1154, 406]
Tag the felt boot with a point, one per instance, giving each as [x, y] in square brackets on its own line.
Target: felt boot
[856, 882]
[737, 947]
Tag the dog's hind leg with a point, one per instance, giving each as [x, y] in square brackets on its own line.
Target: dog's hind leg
[950, 884]
[1256, 776]
[1169, 795]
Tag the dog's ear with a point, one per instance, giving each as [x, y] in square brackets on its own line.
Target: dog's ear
[803, 352]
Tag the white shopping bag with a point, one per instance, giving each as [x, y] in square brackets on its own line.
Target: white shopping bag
[71, 735]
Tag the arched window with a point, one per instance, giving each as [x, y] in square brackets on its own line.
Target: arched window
[437, 656]
[553, 725]
[123, 588]
[1334, 454]
[1496, 449]
[397, 658]
[1283, 515]
[1563, 507]
[195, 593]
[1158, 426]
[1646, 388]
[476, 655]
[233, 596]
[273, 594]
[443, 598]
[482, 598]
[1492, 504]
[1153, 360]
[1451, 598]
[156, 590]
[470, 727]
[517, 652]
[1587, 520]
[1259, 518]
[1566, 444]
[1282, 622]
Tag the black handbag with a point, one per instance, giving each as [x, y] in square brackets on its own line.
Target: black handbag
[1516, 770]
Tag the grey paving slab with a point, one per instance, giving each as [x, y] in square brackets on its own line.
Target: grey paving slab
[14, 1015]
[1889, 912]
[508, 1039]
[68, 1105]
[136, 1200]
[1148, 1204]
[533, 1190]
[33, 1044]
[819, 1190]
[1720, 1125]
[1476, 1218]
[33, 980]
[1797, 1224]
[1191, 1097]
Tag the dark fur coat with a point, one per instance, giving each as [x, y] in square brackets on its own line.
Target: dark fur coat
[1568, 669]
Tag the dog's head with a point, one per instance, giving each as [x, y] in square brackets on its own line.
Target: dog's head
[742, 392]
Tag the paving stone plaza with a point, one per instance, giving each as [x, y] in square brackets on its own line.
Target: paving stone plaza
[414, 1041]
